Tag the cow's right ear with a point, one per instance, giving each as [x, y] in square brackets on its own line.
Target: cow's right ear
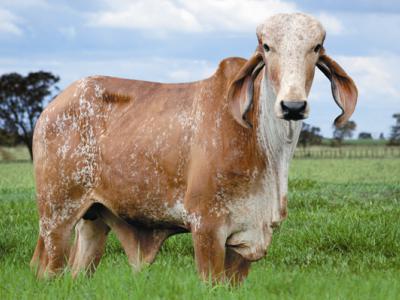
[344, 90]
[240, 91]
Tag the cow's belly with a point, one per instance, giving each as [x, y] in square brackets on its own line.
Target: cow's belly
[160, 214]
[151, 204]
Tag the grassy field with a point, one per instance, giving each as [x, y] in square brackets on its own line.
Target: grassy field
[341, 241]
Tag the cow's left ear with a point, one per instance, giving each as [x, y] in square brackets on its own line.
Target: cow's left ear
[240, 91]
[344, 90]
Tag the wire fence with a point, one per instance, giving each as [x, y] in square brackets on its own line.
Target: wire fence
[347, 152]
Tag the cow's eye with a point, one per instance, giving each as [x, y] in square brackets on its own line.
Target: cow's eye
[317, 48]
[266, 47]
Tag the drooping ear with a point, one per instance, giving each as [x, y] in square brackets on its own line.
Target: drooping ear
[344, 90]
[240, 91]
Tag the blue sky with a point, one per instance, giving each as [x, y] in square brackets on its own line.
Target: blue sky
[176, 40]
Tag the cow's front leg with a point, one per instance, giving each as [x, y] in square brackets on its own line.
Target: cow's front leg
[209, 248]
[236, 267]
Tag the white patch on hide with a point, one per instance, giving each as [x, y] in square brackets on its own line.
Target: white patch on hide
[180, 215]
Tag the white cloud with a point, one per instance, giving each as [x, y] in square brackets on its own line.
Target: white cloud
[161, 16]
[8, 23]
[188, 16]
[152, 69]
[332, 24]
[374, 75]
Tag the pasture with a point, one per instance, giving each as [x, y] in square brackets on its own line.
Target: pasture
[340, 241]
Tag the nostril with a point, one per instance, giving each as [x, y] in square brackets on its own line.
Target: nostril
[284, 107]
[293, 106]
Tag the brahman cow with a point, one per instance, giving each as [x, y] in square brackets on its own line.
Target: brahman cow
[149, 160]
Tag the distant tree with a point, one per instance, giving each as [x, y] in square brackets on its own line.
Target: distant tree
[22, 99]
[310, 135]
[7, 138]
[381, 136]
[365, 136]
[394, 138]
[345, 131]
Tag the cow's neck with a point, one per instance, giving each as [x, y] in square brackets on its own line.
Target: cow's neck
[277, 139]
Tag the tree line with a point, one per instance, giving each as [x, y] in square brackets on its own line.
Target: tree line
[23, 98]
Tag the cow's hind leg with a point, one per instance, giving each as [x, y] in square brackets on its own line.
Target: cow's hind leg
[50, 252]
[39, 259]
[88, 248]
[56, 242]
[56, 223]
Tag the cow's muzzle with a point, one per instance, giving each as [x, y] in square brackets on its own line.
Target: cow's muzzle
[293, 109]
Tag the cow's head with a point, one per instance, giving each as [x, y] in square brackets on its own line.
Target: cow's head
[290, 46]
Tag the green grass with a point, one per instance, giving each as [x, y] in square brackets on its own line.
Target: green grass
[341, 241]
